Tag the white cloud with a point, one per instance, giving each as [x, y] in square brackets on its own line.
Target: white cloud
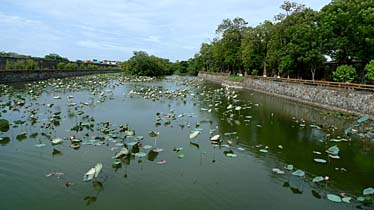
[169, 28]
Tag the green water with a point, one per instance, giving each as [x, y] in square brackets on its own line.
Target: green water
[204, 178]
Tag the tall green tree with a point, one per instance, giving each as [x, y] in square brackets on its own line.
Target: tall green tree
[255, 46]
[56, 57]
[142, 64]
[347, 31]
[231, 33]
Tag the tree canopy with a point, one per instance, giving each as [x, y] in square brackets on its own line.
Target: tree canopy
[142, 64]
[296, 43]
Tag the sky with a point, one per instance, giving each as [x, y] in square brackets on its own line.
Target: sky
[113, 29]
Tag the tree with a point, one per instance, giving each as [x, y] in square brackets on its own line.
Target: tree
[370, 71]
[9, 65]
[231, 32]
[56, 57]
[20, 65]
[281, 52]
[255, 46]
[30, 65]
[142, 64]
[347, 31]
[345, 73]
[61, 66]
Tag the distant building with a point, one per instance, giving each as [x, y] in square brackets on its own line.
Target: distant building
[108, 62]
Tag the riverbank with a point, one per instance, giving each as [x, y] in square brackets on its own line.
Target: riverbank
[341, 100]
[23, 76]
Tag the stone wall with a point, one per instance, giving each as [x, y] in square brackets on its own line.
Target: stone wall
[354, 102]
[21, 76]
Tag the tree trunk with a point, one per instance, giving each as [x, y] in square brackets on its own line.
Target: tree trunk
[264, 74]
[313, 70]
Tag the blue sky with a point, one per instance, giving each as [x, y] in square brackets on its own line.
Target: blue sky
[113, 29]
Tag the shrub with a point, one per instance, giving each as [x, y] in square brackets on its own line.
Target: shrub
[30, 65]
[255, 72]
[370, 71]
[61, 66]
[345, 73]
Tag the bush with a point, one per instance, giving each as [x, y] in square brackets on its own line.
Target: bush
[255, 72]
[61, 66]
[30, 65]
[345, 73]
[71, 66]
[370, 71]
[92, 67]
[9, 65]
[235, 78]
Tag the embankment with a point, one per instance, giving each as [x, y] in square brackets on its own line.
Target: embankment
[337, 99]
[23, 75]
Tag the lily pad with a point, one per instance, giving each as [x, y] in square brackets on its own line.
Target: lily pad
[334, 156]
[289, 167]
[39, 145]
[194, 134]
[278, 171]
[318, 160]
[368, 191]
[334, 198]
[4, 140]
[362, 119]
[21, 136]
[147, 147]
[140, 154]
[299, 173]
[153, 134]
[264, 150]
[215, 138]
[361, 199]
[57, 141]
[232, 155]
[180, 155]
[4, 125]
[318, 179]
[131, 143]
[347, 199]
[334, 150]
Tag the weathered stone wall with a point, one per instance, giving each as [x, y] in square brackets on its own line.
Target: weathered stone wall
[20, 76]
[355, 102]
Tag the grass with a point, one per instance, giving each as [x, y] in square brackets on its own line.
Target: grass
[235, 78]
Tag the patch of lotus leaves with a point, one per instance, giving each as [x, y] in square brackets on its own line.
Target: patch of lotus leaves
[153, 134]
[4, 125]
[21, 136]
[4, 140]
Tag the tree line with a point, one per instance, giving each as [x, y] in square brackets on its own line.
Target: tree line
[149, 65]
[49, 62]
[297, 43]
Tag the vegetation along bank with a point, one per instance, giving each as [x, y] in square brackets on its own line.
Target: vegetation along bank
[350, 101]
